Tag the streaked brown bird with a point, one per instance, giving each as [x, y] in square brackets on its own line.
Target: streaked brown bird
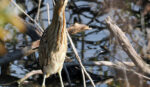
[53, 44]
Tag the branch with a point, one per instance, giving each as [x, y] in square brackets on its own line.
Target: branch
[103, 63]
[127, 47]
[33, 72]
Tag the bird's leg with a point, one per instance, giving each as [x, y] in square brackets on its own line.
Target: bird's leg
[61, 81]
[44, 78]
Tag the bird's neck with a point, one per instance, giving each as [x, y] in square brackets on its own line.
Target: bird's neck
[59, 24]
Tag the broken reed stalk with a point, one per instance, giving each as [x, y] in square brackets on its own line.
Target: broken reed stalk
[127, 47]
[79, 59]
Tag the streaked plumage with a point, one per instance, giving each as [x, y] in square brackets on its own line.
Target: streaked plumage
[53, 44]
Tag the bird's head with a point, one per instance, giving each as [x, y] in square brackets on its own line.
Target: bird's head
[59, 7]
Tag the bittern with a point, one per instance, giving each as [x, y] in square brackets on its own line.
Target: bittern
[53, 43]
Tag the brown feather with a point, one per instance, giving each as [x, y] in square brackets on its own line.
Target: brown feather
[53, 44]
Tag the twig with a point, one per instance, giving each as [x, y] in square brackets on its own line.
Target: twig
[68, 76]
[54, 2]
[103, 63]
[124, 70]
[41, 29]
[105, 82]
[83, 77]
[78, 58]
[38, 12]
[34, 72]
[48, 14]
[142, 20]
[125, 76]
